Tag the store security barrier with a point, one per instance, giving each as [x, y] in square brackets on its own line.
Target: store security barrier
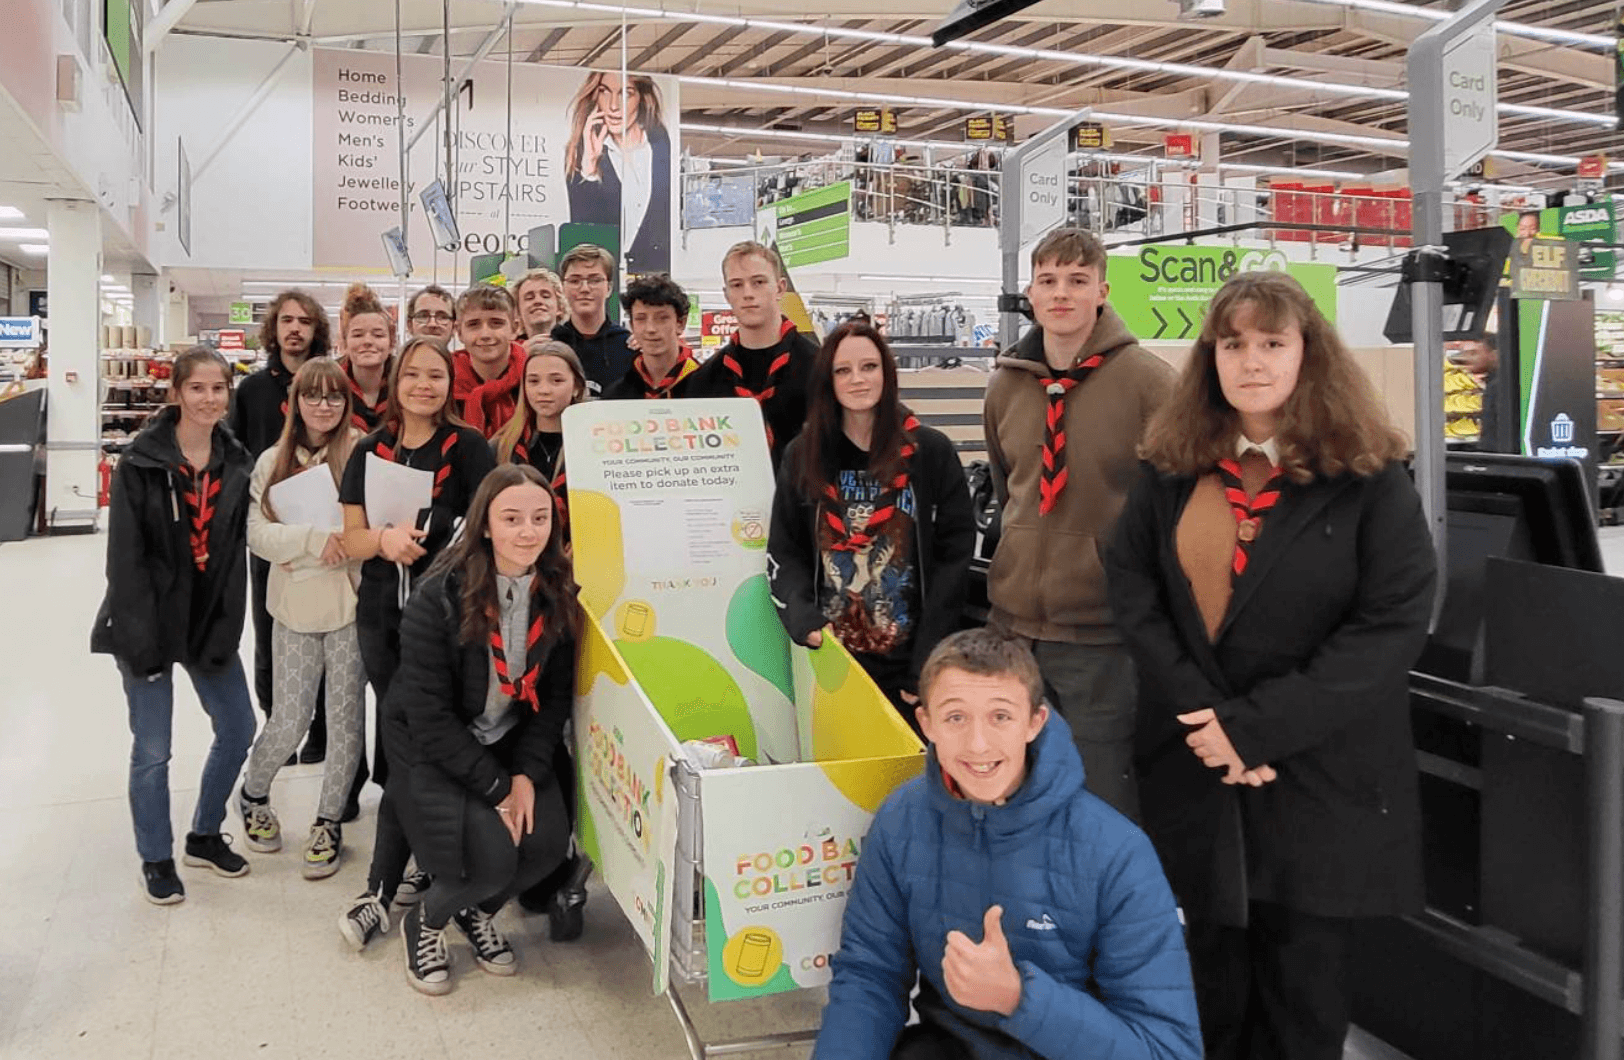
[669, 506]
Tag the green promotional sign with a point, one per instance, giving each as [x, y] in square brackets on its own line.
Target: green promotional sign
[1162, 291]
[815, 225]
[1591, 221]
[241, 313]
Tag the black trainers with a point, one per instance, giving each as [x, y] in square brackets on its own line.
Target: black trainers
[491, 949]
[214, 852]
[365, 919]
[160, 883]
[413, 887]
[566, 914]
[428, 960]
[313, 753]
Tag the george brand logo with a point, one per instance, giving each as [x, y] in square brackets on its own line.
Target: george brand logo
[1044, 924]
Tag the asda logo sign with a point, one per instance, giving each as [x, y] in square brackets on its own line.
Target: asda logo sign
[1589, 215]
[1207, 266]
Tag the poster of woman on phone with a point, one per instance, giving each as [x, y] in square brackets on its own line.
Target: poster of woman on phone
[617, 165]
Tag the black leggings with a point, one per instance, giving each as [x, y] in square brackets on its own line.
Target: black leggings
[925, 1041]
[493, 869]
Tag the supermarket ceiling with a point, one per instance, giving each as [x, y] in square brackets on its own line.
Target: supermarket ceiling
[1313, 83]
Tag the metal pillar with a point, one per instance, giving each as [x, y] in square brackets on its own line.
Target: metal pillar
[1011, 202]
[1600, 1023]
[1425, 70]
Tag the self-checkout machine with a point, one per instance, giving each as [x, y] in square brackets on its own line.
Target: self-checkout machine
[1518, 951]
[736, 876]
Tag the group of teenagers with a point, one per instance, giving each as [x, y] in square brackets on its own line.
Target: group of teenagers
[1162, 787]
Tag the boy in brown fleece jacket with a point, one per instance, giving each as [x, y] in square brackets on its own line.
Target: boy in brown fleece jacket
[1064, 413]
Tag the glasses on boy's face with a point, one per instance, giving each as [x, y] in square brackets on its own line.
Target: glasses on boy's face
[586, 283]
[332, 401]
[424, 316]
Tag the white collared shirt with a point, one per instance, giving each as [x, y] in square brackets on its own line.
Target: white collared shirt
[1269, 448]
[636, 185]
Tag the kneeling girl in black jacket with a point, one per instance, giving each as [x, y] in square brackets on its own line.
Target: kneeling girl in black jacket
[872, 529]
[177, 574]
[486, 682]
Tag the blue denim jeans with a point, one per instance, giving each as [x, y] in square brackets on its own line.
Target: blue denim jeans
[224, 694]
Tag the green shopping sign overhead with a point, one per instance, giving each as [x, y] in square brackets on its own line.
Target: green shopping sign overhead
[1161, 292]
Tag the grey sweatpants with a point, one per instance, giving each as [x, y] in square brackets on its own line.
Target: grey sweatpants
[1098, 695]
[298, 661]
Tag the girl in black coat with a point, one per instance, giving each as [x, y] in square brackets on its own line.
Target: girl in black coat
[554, 379]
[177, 569]
[1273, 576]
[872, 528]
[421, 431]
[474, 716]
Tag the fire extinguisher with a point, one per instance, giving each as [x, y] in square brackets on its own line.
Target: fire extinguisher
[104, 482]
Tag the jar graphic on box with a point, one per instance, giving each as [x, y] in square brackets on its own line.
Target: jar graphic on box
[753, 955]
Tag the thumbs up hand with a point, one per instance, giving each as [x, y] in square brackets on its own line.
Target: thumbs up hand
[982, 975]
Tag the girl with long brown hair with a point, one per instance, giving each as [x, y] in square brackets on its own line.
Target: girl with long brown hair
[553, 381]
[872, 529]
[421, 430]
[486, 683]
[617, 163]
[177, 584]
[311, 599]
[1273, 576]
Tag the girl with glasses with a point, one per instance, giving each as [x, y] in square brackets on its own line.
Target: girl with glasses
[311, 598]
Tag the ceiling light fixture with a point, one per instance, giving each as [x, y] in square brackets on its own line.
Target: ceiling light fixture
[1120, 62]
[1510, 29]
[38, 250]
[32, 234]
[10, 213]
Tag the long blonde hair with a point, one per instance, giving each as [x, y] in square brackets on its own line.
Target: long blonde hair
[524, 417]
[316, 378]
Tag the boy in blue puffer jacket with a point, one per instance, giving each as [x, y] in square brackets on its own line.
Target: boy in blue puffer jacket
[1081, 953]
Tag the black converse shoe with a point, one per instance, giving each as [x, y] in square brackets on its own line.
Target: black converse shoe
[428, 960]
[491, 950]
[566, 914]
[365, 919]
[214, 852]
[413, 888]
[160, 884]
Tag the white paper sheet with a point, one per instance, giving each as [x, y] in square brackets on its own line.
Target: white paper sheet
[395, 492]
[308, 499]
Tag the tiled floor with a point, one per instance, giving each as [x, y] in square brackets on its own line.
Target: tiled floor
[252, 967]
[255, 967]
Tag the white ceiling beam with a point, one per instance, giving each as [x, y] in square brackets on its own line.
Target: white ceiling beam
[166, 20]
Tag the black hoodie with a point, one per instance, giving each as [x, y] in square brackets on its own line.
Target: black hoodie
[159, 609]
[605, 357]
[785, 411]
[260, 406]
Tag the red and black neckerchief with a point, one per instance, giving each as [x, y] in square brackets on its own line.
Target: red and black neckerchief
[769, 386]
[363, 415]
[1249, 511]
[659, 390]
[1056, 387]
[201, 490]
[521, 455]
[841, 537]
[524, 690]
[386, 451]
